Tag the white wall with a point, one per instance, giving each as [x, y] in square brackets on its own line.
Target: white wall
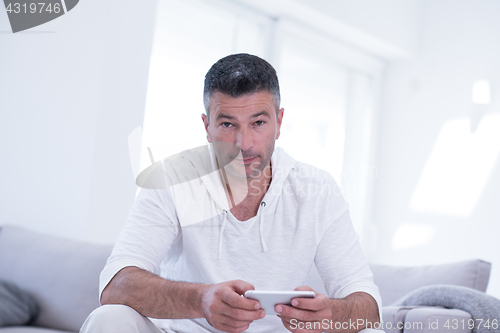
[71, 91]
[458, 44]
[393, 23]
[384, 28]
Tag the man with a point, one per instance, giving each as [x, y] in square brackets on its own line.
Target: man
[236, 216]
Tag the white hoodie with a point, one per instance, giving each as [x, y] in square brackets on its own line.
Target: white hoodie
[187, 233]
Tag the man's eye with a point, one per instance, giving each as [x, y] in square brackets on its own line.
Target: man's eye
[259, 122]
[226, 124]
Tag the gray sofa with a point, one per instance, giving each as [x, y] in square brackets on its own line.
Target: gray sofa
[62, 276]
[396, 282]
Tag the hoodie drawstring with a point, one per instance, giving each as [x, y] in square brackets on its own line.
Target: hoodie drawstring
[263, 242]
[221, 231]
[261, 227]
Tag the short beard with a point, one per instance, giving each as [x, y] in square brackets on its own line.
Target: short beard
[240, 171]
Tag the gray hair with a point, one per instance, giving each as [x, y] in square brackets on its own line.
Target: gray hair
[241, 74]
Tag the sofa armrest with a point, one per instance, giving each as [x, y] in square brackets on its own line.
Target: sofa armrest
[61, 274]
[395, 282]
[436, 320]
[393, 318]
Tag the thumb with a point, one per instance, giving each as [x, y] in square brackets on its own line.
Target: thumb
[305, 288]
[241, 286]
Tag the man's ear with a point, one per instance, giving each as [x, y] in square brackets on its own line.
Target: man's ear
[204, 117]
[278, 122]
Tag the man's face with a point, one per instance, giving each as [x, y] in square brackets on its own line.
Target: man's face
[243, 131]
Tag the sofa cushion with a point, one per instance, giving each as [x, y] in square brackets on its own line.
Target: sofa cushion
[16, 306]
[396, 281]
[29, 329]
[62, 275]
[438, 320]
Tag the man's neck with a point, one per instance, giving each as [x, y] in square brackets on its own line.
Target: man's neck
[247, 190]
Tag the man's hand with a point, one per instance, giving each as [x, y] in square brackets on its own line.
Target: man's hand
[320, 314]
[305, 310]
[225, 309]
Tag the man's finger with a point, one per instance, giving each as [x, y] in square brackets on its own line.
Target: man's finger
[303, 315]
[243, 315]
[234, 300]
[222, 318]
[314, 304]
[241, 286]
[305, 288]
[284, 318]
[228, 328]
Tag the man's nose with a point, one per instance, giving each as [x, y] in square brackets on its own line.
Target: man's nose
[244, 139]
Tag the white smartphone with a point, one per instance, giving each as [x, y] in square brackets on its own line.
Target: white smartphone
[268, 299]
